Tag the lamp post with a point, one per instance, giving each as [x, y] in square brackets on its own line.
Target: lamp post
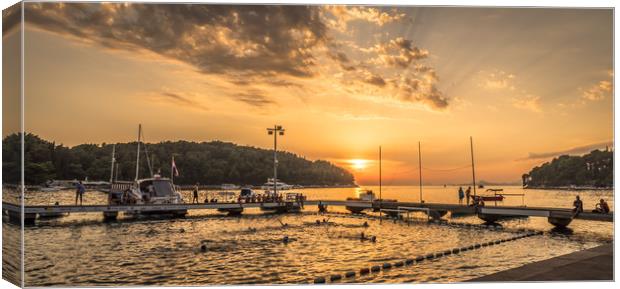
[275, 131]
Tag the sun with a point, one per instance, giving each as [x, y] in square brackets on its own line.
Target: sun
[358, 164]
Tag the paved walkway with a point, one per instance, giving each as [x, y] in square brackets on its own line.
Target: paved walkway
[587, 265]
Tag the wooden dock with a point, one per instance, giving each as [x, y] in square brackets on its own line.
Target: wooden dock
[560, 217]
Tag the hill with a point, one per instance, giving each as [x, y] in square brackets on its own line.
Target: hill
[594, 169]
[209, 163]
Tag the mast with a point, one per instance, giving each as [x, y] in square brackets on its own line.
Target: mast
[116, 174]
[112, 166]
[172, 164]
[420, 169]
[473, 170]
[380, 195]
[138, 154]
[275, 161]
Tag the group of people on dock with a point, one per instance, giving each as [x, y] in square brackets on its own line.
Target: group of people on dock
[253, 198]
[476, 201]
[601, 208]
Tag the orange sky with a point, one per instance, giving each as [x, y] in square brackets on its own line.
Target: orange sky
[525, 83]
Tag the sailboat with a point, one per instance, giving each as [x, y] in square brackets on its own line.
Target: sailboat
[155, 190]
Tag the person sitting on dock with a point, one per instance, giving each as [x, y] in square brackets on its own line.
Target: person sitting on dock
[79, 192]
[602, 207]
[461, 195]
[195, 198]
[577, 206]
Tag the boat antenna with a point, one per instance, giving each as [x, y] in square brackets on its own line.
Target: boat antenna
[473, 170]
[138, 154]
[420, 169]
[112, 166]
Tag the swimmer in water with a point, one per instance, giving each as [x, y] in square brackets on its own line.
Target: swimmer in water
[365, 224]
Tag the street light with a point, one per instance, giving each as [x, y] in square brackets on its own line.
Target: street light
[275, 131]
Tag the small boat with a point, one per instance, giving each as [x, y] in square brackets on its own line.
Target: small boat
[280, 186]
[229, 187]
[364, 196]
[496, 197]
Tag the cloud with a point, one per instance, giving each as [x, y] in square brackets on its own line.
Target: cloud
[252, 45]
[527, 102]
[398, 52]
[499, 80]
[421, 89]
[254, 98]
[375, 80]
[573, 151]
[504, 82]
[264, 40]
[599, 91]
[178, 99]
[342, 15]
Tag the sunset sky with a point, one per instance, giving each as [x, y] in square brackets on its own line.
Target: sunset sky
[526, 84]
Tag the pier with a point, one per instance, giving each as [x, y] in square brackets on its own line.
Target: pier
[559, 217]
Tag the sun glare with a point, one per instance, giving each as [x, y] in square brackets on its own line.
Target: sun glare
[358, 164]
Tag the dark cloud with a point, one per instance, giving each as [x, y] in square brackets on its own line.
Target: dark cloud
[375, 80]
[251, 44]
[265, 39]
[178, 99]
[572, 151]
[253, 97]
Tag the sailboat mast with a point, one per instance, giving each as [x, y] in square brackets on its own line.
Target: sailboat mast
[380, 195]
[473, 170]
[112, 166]
[138, 154]
[420, 169]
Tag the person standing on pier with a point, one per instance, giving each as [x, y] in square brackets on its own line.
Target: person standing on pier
[79, 192]
[195, 198]
[461, 195]
[468, 194]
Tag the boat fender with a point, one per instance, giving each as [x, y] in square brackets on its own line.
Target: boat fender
[447, 252]
[463, 249]
[375, 268]
[364, 271]
[399, 264]
[387, 265]
[419, 258]
[319, 280]
[455, 250]
[335, 277]
[429, 256]
[349, 274]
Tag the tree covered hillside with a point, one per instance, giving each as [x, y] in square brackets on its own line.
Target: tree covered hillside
[210, 163]
[595, 169]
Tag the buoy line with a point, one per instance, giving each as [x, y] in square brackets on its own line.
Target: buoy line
[418, 259]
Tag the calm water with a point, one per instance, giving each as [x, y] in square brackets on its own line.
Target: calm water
[82, 250]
